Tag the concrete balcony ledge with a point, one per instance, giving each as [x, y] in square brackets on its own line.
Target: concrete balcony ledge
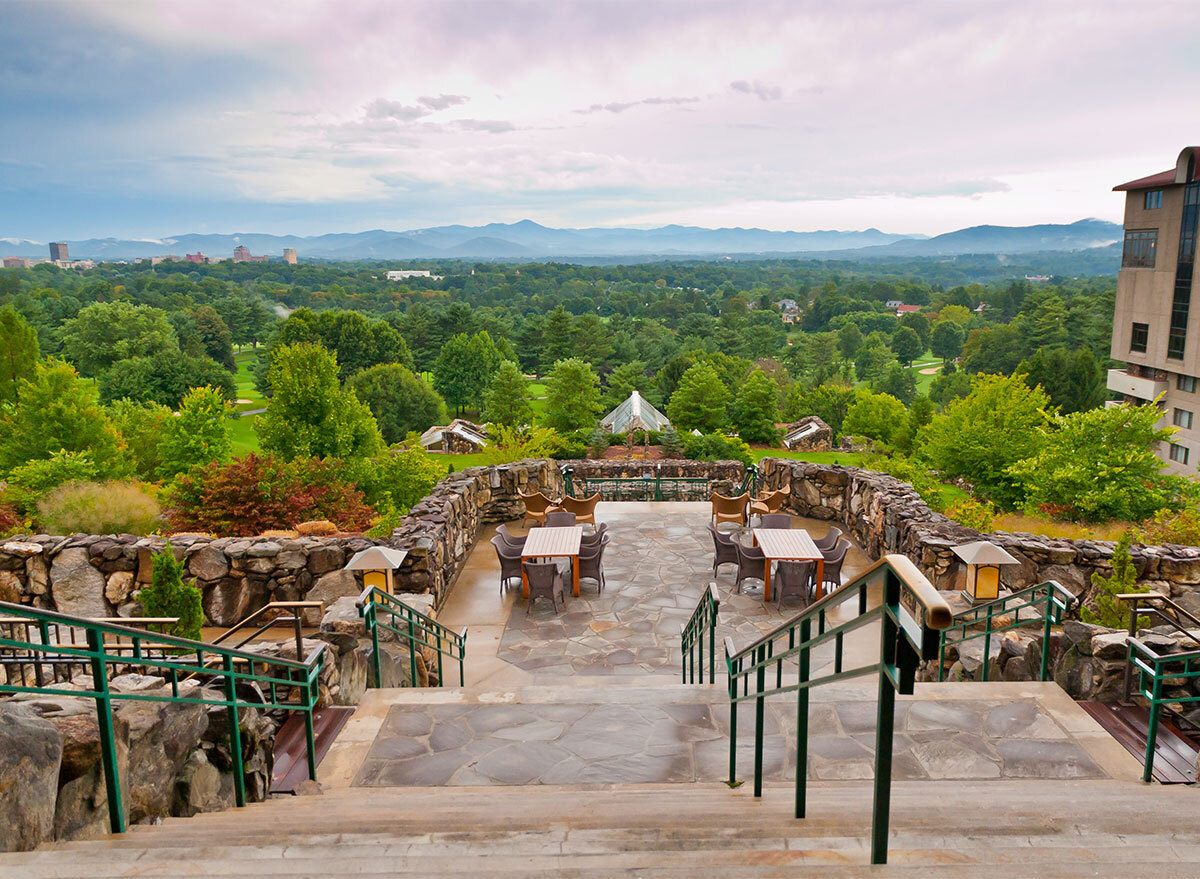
[1143, 388]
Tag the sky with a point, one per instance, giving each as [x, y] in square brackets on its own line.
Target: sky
[147, 119]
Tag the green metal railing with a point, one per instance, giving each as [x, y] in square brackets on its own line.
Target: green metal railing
[380, 610]
[651, 486]
[1042, 604]
[29, 653]
[909, 616]
[703, 619]
[1152, 670]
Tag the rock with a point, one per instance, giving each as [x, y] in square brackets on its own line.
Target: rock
[199, 788]
[263, 549]
[21, 549]
[77, 587]
[229, 601]
[37, 578]
[30, 759]
[308, 788]
[161, 737]
[323, 559]
[334, 585]
[1079, 635]
[10, 587]
[81, 811]
[119, 587]
[341, 617]
[209, 563]
[136, 683]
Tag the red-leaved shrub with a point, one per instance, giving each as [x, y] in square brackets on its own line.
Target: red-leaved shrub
[10, 519]
[259, 493]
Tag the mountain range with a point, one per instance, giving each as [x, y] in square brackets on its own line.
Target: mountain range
[527, 240]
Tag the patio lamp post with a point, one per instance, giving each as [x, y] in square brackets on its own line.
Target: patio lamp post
[983, 561]
[377, 564]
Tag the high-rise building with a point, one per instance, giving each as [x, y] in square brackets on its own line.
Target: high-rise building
[1156, 332]
[289, 255]
[58, 251]
[196, 257]
[241, 253]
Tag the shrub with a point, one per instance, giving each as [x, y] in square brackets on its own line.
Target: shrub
[518, 443]
[257, 493]
[671, 444]
[717, 447]
[168, 596]
[973, 514]
[1105, 610]
[10, 520]
[598, 443]
[1173, 526]
[99, 508]
[396, 478]
[912, 472]
[33, 480]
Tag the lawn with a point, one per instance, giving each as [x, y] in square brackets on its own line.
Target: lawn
[243, 380]
[848, 459]
[245, 440]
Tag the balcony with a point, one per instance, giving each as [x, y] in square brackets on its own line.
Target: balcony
[1122, 382]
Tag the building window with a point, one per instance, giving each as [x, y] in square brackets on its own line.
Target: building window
[1183, 418]
[1154, 199]
[1141, 245]
[1179, 454]
[1186, 383]
[1139, 337]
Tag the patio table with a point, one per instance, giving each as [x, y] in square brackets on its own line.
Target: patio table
[544, 543]
[788, 545]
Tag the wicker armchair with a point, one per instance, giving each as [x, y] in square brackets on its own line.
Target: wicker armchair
[775, 520]
[729, 509]
[513, 540]
[545, 581]
[724, 549]
[536, 507]
[830, 540]
[769, 502]
[559, 519]
[752, 563]
[510, 561]
[793, 579]
[591, 562]
[583, 508]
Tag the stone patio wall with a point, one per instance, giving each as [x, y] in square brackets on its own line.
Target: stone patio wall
[885, 515]
[97, 575]
[723, 476]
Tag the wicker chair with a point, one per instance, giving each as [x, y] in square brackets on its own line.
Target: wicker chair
[834, 559]
[724, 548]
[510, 561]
[536, 506]
[729, 509]
[830, 540]
[508, 537]
[588, 539]
[591, 562]
[545, 581]
[559, 519]
[583, 508]
[793, 578]
[752, 564]
[767, 503]
[775, 520]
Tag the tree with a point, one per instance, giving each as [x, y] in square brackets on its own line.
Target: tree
[357, 341]
[627, 378]
[755, 409]
[572, 396]
[200, 434]
[700, 401]
[309, 414]
[947, 387]
[58, 411]
[919, 324]
[215, 337]
[168, 596]
[164, 378]
[400, 400]
[18, 353]
[465, 368]
[507, 400]
[901, 383]
[830, 403]
[106, 332]
[1073, 379]
[558, 338]
[1109, 611]
[670, 444]
[906, 345]
[1100, 465]
[875, 416]
[997, 349]
[946, 340]
[142, 427]
[960, 314]
[980, 436]
[849, 340]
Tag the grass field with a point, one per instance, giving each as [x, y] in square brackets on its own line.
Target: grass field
[243, 380]
[847, 459]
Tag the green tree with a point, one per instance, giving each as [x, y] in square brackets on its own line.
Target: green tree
[981, 436]
[876, 416]
[309, 414]
[946, 340]
[830, 403]
[215, 337]
[997, 349]
[755, 409]
[58, 411]
[142, 427]
[18, 353]
[1073, 379]
[465, 369]
[1108, 611]
[1101, 465]
[700, 401]
[168, 596]
[849, 340]
[572, 396]
[358, 342]
[627, 378]
[507, 400]
[960, 314]
[670, 444]
[906, 345]
[558, 338]
[901, 383]
[106, 332]
[164, 378]
[199, 435]
[949, 386]
[400, 400]
[919, 324]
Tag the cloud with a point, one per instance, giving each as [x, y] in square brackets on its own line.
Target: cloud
[494, 126]
[441, 102]
[622, 106]
[383, 109]
[764, 91]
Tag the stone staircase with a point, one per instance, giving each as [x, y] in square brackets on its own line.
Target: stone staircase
[939, 829]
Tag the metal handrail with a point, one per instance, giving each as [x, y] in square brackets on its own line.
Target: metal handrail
[170, 656]
[1152, 669]
[295, 620]
[1168, 612]
[703, 618]
[749, 481]
[1049, 601]
[414, 627]
[910, 616]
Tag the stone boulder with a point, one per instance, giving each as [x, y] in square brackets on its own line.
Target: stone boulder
[77, 586]
[208, 563]
[31, 751]
[199, 788]
[334, 585]
[161, 738]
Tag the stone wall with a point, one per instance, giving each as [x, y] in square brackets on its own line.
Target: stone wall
[723, 476]
[97, 575]
[885, 515]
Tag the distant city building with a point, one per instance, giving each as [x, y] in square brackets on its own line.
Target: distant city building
[289, 255]
[155, 260]
[414, 273]
[58, 251]
[1152, 322]
[197, 257]
[17, 262]
[241, 253]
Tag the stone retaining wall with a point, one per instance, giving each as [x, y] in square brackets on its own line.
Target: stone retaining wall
[885, 515]
[723, 476]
